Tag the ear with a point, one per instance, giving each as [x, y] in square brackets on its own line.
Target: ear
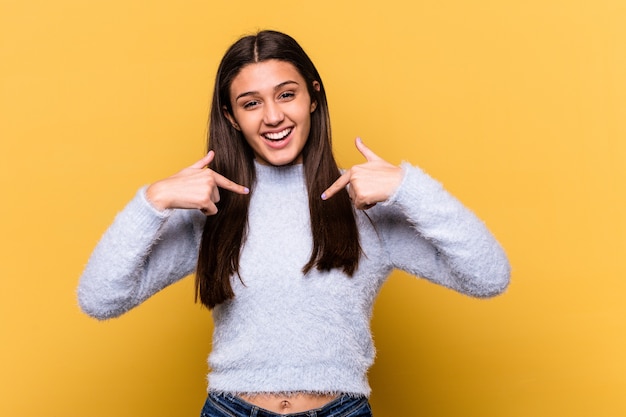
[230, 118]
[316, 87]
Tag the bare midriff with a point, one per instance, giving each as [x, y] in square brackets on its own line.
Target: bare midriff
[283, 404]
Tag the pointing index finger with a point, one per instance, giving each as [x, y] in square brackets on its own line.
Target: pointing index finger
[340, 183]
[227, 184]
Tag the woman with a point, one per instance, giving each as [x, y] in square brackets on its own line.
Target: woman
[288, 266]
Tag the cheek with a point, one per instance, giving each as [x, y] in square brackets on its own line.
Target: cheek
[245, 122]
[250, 136]
[307, 122]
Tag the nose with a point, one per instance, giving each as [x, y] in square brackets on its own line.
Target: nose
[273, 114]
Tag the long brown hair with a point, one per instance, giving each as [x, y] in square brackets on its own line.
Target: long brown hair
[334, 230]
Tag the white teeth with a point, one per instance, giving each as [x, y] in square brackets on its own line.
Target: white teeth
[279, 135]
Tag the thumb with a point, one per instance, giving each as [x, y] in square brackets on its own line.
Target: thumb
[365, 151]
[206, 160]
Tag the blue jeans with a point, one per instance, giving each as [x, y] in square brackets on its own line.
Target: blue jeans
[232, 406]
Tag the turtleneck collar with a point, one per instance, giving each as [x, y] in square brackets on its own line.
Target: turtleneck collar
[278, 173]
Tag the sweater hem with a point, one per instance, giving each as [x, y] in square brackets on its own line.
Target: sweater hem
[252, 394]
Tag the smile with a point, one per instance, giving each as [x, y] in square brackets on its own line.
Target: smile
[278, 135]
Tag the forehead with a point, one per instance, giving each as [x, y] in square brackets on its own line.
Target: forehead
[264, 76]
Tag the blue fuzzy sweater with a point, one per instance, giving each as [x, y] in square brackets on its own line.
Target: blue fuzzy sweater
[285, 332]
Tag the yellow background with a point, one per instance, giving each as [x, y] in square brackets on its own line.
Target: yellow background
[518, 107]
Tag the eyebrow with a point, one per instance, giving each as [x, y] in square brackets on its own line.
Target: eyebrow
[277, 87]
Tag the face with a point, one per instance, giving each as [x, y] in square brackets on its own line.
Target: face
[272, 108]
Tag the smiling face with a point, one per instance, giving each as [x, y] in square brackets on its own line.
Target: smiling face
[272, 107]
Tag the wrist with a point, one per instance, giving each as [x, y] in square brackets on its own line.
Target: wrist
[155, 197]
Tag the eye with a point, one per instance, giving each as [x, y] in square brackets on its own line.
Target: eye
[250, 104]
[287, 95]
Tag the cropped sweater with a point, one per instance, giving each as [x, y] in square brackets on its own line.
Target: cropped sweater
[285, 332]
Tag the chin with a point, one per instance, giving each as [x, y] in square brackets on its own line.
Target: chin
[282, 163]
[280, 160]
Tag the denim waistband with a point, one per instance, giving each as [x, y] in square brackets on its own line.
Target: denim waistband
[234, 406]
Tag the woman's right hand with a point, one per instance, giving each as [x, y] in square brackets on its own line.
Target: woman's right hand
[195, 187]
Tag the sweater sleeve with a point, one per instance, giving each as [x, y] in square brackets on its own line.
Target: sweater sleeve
[143, 251]
[429, 233]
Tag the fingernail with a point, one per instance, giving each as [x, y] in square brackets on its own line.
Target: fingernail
[323, 196]
[246, 190]
[358, 138]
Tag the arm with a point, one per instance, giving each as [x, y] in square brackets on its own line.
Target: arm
[429, 233]
[143, 251]
[425, 230]
[153, 242]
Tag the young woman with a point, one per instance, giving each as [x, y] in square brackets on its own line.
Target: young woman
[289, 252]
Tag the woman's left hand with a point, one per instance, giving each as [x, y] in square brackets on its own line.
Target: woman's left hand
[369, 183]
